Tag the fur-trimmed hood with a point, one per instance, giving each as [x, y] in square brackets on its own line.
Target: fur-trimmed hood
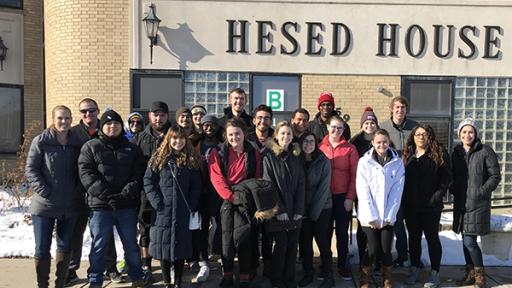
[273, 146]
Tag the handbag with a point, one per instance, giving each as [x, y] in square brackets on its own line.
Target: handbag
[194, 221]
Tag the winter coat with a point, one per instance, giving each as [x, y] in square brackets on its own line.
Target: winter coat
[127, 132]
[379, 188]
[399, 133]
[475, 176]
[319, 128]
[286, 170]
[110, 168]
[318, 182]
[343, 160]
[253, 138]
[170, 237]
[209, 200]
[425, 184]
[83, 133]
[52, 174]
[362, 143]
[228, 114]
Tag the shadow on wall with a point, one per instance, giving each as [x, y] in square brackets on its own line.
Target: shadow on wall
[182, 44]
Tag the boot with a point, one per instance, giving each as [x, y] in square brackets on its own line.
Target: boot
[61, 273]
[43, 272]
[386, 276]
[469, 277]
[479, 277]
[366, 276]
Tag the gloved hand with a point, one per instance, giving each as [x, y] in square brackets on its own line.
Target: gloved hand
[282, 217]
[297, 217]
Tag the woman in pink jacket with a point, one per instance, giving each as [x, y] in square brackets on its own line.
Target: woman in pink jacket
[344, 158]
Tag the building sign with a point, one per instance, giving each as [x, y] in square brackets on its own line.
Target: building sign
[275, 99]
[458, 38]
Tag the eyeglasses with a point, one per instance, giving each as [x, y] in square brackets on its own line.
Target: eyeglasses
[90, 110]
[333, 127]
[423, 135]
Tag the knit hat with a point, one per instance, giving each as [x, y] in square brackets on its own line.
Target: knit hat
[368, 115]
[108, 116]
[135, 115]
[209, 118]
[198, 109]
[465, 122]
[325, 97]
[182, 110]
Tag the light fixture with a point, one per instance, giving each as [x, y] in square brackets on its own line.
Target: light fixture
[3, 53]
[151, 22]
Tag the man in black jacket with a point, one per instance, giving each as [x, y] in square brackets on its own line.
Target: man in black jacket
[148, 141]
[236, 109]
[318, 125]
[111, 170]
[262, 130]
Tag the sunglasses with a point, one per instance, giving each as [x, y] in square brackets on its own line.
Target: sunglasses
[90, 110]
[136, 122]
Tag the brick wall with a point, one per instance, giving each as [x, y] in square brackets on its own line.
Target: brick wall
[352, 94]
[87, 44]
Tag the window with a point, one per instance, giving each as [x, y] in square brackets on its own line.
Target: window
[150, 86]
[11, 117]
[18, 4]
[280, 92]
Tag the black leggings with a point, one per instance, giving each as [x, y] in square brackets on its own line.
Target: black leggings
[178, 270]
[379, 240]
[427, 223]
[318, 229]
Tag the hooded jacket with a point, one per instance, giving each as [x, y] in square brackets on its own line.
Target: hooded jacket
[127, 132]
[379, 188]
[475, 176]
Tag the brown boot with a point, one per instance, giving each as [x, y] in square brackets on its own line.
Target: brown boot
[366, 276]
[61, 273]
[43, 272]
[469, 277]
[386, 276]
[479, 277]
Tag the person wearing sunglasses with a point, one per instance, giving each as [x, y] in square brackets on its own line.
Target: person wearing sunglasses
[133, 125]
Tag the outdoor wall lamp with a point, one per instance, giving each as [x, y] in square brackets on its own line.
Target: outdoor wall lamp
[3, 52]
[151, 22]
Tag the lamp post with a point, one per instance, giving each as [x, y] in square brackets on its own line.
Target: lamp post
[151, 22]
[3, 53]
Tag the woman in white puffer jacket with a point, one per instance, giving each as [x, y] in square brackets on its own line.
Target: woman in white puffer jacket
[379, 185]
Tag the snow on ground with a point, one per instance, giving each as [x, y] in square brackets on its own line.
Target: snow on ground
[17, 238]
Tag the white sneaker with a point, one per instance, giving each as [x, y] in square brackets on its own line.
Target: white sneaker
[202, 275]
[433, 280]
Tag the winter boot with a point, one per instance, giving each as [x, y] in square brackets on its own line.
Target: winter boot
[386, 276]
[366, 276]
[469, 277]
[479, 277]
[43, 272]
[61, 273]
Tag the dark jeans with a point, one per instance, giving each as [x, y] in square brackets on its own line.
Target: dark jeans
[401, 235]
[43, 232]
[317, 229]
[76, 247]
[379, 241]
[428, 223]
[101, 224]
[283, 257]
[342, 218]
[472, 252]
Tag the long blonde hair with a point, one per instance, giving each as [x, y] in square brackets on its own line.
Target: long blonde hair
[186, 157]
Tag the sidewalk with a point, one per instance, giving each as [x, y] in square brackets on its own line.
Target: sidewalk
[21, 273]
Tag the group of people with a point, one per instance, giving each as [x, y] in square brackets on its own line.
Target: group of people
[262, 193]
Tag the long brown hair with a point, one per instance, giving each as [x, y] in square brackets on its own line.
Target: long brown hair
[434, 148]
[186, 157]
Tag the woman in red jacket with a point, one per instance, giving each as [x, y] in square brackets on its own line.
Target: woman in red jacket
[344, 158]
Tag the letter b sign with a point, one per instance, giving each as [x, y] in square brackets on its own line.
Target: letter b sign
[275, 99]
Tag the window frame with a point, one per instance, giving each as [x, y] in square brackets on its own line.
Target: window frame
[22, 116]
[20, 7]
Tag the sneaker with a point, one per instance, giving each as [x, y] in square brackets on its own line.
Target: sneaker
[345, 273]
[412, 278]
[115, 277]
[327, 283]
[202, 275]
[72, 279]
[148, 275]
[193, 266]
[433, 280]
[122, 267]
[227, 282]
[306, 280]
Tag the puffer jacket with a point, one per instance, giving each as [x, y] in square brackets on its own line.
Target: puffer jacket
[343, 160]
[318, 181]
[52, 174]
[475, 176]
[379, 188]
[107, 168]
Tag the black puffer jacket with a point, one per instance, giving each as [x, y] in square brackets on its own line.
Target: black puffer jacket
[319, 128]
[52, 173]
[109, 167]
[425, 184]
[475, 176]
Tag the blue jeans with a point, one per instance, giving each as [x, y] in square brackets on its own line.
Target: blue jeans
[101, 224]
[472, 252]
[43, 230]
[342, 218]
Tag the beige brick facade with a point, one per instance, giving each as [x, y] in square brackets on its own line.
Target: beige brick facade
[352, 94]
[86, 48]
